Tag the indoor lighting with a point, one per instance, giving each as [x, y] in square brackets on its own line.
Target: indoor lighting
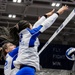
[13, 16]
[14, 0]
[53, 4]
[9, 15]
[58, 4]
[19, 1]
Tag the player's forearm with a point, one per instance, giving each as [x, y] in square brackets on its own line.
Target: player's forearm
[48, 22]
[43, 18]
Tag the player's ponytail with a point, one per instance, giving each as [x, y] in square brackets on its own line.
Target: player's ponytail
[14, 35]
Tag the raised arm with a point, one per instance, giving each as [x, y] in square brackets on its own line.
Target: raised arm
[43, 18]
[50, 20]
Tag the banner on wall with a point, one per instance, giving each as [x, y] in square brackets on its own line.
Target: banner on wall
[54, 57]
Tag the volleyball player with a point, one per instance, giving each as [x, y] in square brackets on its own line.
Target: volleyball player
[28, 59]
[9, 52]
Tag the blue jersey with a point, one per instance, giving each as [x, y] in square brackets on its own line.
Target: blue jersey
[9, 67]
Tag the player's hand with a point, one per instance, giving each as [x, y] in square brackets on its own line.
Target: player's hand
[62, 9]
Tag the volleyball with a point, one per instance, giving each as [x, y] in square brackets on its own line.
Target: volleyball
[70, 54]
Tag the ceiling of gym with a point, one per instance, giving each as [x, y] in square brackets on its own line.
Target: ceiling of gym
[31, 9]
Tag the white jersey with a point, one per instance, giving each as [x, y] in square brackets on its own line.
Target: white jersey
[9, 68]
[29, 42]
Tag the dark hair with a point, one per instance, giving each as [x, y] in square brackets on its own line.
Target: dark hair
[23, 24]
[15, 30]
[14, 35]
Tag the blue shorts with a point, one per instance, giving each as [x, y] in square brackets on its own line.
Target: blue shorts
[26, 71]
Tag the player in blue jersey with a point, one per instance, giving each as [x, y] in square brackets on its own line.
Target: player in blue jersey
[9, 52]
[28, 58]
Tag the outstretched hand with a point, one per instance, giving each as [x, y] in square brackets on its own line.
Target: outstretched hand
[62, 9]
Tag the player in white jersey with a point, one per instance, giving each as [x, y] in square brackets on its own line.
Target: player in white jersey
[28, 58]
[9, 52]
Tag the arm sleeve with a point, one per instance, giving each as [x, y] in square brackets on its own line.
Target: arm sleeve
[48, 22]
[42, 19]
